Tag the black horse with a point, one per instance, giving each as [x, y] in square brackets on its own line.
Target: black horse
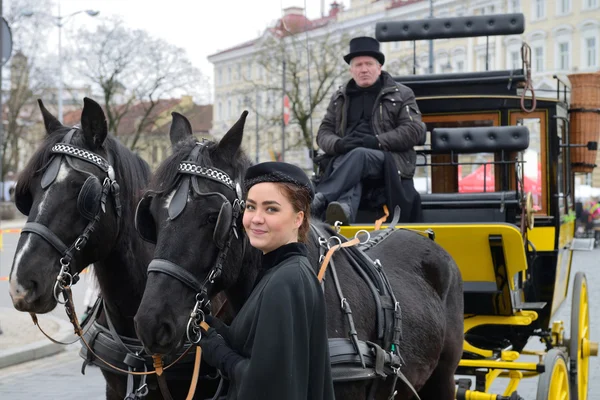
[80, 189]
[192, 224]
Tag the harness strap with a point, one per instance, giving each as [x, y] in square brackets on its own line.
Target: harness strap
[45, 233]
[329, 254]
[173, 270]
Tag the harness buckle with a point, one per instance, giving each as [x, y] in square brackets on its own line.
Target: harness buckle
[142, 391]
[80, 242]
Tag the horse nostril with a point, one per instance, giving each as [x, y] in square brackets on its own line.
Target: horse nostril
[165, 334]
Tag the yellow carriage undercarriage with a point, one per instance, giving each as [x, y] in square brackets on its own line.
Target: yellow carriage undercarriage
[472, 247]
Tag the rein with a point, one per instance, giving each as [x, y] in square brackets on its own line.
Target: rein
[157, 359]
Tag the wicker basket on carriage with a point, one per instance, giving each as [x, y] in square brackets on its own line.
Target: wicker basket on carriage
[585, 119]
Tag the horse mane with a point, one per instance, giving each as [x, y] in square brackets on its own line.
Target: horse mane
[166, 178]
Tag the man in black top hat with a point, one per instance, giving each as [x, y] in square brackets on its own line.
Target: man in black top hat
[370, 128]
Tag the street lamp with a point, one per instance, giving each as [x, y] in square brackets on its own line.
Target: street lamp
[59, 21]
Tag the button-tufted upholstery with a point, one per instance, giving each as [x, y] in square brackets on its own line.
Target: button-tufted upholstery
[480, 139]
[440, 28]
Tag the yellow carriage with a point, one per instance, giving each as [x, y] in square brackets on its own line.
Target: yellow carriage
[510, 236]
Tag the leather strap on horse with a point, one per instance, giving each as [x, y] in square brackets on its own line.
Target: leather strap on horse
[381, 220]
[158, 363]
[329, 254]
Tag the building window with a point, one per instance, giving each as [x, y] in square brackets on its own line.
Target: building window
[514, 60]
[539, 10]
[229, 110]
[538, 59]
[563, 56]
[220, 76]
[219, 111]
[249, 71]
[514, 6]
[564, 7]
[229, 75]
[239, 72]
[591, 50]
[459, 66]
[587, 4]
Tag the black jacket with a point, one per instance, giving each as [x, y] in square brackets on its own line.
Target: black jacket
[396, 121]
[281, 331]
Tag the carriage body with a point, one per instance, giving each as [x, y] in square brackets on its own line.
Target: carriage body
[510, 232]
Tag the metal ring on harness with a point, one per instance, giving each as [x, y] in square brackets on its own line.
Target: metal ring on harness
[333, 237]
[363, 231]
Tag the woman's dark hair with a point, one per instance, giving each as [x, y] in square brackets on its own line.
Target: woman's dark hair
[300, 199]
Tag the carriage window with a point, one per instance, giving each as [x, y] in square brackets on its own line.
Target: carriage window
[535, 156]
[448, 179]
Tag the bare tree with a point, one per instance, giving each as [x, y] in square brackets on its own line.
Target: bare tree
[28, 76]
[131, 68]
[312, 68]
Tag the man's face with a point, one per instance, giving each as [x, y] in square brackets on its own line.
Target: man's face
[365, 70]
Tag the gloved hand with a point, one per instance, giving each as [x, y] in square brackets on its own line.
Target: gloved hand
[217, 353]
[370, 142]
[221, 327]
[346, 144]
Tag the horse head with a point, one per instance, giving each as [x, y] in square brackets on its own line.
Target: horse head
[69, 192]
[193, 212]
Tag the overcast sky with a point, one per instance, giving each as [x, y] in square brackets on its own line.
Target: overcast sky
[201, 27]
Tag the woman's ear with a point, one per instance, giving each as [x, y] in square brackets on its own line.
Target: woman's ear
[299, 219]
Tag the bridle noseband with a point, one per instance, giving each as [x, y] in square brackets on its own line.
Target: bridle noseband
[91, 190]
[225, 229]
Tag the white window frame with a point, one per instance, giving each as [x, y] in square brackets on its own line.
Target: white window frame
[558, 59]
[560, 35]
[534, 59]
[589, 29]
[560, 10]
[534, 10]
[591, 4]
[459, 56]
[514, 6]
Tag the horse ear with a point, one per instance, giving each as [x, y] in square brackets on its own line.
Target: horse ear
[180, 128]
[50, 122]
[232, 140]
[93, 123]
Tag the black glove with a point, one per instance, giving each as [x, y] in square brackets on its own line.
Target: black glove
[370, 142]
[217, 353]
[221, 327]
[346, 144]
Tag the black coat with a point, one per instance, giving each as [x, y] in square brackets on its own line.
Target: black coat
[281, 331]
[396, 120]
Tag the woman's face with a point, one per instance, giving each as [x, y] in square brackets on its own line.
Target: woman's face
[269, 219]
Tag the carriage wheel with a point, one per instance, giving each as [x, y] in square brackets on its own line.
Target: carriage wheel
[580, 347]
[554, 382]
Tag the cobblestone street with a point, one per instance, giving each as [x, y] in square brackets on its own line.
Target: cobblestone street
[56, 377]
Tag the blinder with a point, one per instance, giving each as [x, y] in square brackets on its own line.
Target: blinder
[144, 222]
[224, 220]
[88, 202]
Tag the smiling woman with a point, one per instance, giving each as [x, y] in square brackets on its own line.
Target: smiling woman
[287, 354]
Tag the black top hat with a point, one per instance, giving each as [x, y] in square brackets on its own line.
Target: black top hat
[364, 46]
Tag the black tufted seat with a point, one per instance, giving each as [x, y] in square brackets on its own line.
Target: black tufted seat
[479, 139]
[470, 207]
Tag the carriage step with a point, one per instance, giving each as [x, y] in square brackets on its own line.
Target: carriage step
[532, 306]
[584, 244]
